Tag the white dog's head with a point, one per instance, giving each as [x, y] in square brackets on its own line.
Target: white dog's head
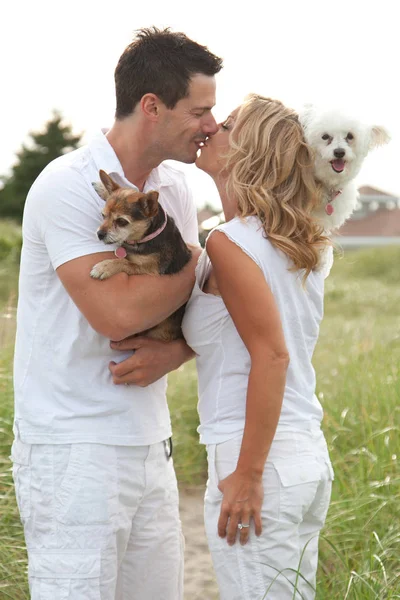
[341, 143]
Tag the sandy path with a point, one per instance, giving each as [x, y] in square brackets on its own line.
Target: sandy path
[200, 583]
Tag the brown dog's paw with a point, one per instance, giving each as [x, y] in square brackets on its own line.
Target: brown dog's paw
[103, 269]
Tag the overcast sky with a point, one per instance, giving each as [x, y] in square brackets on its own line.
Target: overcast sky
[63, 55]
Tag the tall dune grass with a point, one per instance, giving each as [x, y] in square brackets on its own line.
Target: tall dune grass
[357, 362]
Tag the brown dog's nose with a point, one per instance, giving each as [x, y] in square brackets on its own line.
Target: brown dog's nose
[339, 152]
[101, 234]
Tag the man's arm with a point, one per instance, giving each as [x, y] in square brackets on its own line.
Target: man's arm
[124, 305]
[67, 213]
[150, 360]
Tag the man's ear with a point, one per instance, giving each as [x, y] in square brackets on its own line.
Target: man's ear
[150, 105]
[149, 204]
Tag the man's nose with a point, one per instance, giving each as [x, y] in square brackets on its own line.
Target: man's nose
[211, 126]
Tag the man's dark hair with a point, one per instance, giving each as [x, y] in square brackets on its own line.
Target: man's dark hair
[160, 62]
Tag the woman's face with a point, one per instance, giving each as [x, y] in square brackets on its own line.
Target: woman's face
[213, 154]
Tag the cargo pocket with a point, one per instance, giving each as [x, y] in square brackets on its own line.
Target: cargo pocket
[21, 471]
[226, 456]
[65, 575]
[299, 484]
[213, 494]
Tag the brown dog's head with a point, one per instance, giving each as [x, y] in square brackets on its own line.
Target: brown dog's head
[127, 213]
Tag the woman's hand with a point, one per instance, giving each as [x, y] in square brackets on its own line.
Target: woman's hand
[243, 497]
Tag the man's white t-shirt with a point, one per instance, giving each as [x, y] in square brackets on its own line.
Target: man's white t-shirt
[63, 388]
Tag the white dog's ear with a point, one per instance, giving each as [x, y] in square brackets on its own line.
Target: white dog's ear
[306, 114]
[379, 137]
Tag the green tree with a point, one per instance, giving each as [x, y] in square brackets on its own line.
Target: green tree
[55, 139]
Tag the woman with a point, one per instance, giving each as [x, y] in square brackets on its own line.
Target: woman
[253, 321]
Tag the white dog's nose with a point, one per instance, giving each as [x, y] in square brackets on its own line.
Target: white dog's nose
[339, 152]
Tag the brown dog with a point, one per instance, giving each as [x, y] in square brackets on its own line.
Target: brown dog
[148, 241]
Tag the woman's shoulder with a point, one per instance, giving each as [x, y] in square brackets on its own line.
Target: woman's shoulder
[250, 235]
[247, 233]
[243, 226]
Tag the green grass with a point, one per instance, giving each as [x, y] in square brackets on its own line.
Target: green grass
[10, 249]
[357, 362]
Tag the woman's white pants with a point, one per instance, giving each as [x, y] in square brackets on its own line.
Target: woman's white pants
[281, 564]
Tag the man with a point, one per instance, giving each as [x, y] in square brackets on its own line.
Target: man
[96, 490]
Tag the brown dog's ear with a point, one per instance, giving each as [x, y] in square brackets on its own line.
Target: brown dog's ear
[149, 204]
[108, 183]
[106, 186]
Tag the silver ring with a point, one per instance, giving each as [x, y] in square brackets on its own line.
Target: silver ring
[243, 525]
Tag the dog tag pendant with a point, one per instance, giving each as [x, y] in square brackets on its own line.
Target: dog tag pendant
[120, 252]
[329, 209]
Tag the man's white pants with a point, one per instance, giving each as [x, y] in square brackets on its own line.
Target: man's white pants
[297, 487]
[101, 522]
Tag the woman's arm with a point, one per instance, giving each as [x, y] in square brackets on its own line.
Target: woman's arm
[252, 307]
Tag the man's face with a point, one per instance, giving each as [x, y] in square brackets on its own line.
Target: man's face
[184, 128]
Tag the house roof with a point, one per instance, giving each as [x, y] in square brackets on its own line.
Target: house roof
[382, 222]
[367, 190]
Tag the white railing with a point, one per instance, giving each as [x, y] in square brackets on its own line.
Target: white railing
[365, 241]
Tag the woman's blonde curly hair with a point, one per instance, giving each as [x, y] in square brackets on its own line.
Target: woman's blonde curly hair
[270, 170]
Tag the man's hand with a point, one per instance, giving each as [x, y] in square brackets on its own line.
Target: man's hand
[150, 361]
[242, 501]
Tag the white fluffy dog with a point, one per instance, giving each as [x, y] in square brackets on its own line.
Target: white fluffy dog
[340, 143]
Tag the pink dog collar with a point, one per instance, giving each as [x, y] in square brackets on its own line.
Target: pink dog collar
[329, 208]
[121, 251]
[153, 235]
